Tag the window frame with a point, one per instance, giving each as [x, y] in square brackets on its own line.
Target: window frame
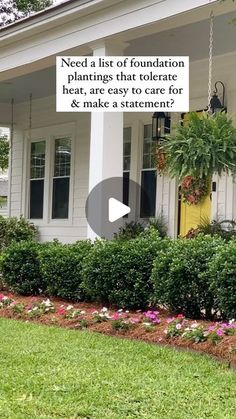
[52, 177]
[37, 178]
[127, 170]
[145, 122]
[48, 134]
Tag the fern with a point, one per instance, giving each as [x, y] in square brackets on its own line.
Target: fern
[206, 144]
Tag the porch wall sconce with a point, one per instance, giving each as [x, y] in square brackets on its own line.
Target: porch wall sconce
[215, 103]
[160, 126]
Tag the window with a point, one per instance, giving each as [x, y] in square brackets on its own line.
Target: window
[126, 164]
[37, 174]
[61, 178]
[148, 176]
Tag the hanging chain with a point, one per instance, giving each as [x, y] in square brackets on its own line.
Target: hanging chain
[12, 117]
[210, 60]
[30, 116]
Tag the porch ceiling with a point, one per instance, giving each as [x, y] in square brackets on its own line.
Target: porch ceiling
[191, 39]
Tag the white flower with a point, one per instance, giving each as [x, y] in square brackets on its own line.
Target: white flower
[4, 298]
[47, 303]
[104, 310]
[69, 307]
[165, 331]
[120, 310]
[95, 312]
[178, 326]
[83, 312]
[127, 311]
[33, 309]
[231, 321]
[194, 325]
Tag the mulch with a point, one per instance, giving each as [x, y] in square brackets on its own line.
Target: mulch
[224, 350]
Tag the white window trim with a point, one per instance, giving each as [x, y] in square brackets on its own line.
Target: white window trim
[144, 122]
[49, 134]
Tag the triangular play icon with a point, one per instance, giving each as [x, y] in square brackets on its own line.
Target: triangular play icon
[117, 210]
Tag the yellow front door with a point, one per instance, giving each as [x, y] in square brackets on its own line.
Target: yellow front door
[192, 215]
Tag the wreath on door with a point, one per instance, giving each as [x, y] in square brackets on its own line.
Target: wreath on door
[194, 190]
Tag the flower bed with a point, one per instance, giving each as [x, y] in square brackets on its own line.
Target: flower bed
[217, 338]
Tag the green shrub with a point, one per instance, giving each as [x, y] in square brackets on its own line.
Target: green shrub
[223, 273]
[130, 230]
[181, 276]
[61, 269]
[225, 229]
[118, 272]
[20, 268]
[160, 224]
[15, 230]
[133, 229]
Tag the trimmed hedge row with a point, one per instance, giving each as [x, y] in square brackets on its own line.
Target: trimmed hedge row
[15, 229]
[52, 269]
[181, 276]
[195, 277]
[119, 272]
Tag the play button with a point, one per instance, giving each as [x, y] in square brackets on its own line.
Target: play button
[117, 210]
[111, 204]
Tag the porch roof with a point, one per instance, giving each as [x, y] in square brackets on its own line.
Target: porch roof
[28, 50]
[71, 28]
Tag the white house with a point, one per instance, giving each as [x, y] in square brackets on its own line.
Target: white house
[52, 191]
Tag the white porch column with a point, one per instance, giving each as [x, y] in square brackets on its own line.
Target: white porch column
[106, 140]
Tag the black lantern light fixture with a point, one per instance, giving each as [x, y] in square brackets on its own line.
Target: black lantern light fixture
[160, 126]
[215, 104]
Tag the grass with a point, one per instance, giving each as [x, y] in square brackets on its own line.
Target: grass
[47, 372]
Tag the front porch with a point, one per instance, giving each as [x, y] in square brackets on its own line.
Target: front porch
[51, 190]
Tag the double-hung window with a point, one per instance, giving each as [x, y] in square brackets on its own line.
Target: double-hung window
[126, 163]
[148, 175]
[61, 178]
[37, 179]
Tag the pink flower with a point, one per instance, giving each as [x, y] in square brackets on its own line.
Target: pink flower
[178, 326]
[116, 316]
[134, 320]
[211, 328]
[220, 332]
[1, 297]
[62, 311]
[170, 320]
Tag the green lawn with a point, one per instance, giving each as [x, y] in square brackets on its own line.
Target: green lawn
[47, 372]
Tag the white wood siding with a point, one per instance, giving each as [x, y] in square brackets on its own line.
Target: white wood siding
[45, 116]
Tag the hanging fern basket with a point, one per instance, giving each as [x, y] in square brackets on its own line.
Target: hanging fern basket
[204, 145]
